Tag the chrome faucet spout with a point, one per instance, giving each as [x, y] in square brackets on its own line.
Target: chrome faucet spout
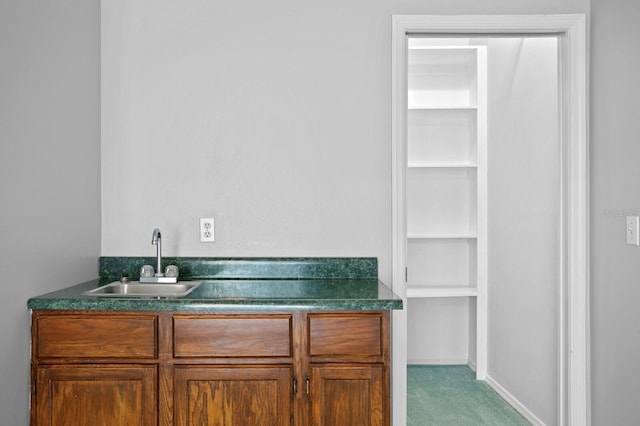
[156, 240]
[159, 277]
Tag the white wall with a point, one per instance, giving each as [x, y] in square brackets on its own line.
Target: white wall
[615, 266]
[274, 119]
[49, 169]
[271, 121]
[523, 237]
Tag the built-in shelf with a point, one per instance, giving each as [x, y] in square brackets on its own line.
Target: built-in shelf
[429, 292]
[442, 135]
[444, 211]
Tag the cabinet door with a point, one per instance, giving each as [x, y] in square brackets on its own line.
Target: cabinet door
[96, 395]
[233, 396]
[347, 395]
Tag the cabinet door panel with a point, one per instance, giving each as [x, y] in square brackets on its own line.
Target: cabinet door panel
[239, 396]
[97, 395]
[347, 395]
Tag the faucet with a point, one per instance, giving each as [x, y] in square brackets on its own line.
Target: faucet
[156, 240]
[158, 277]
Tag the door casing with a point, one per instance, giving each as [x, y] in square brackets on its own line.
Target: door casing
[574, 404]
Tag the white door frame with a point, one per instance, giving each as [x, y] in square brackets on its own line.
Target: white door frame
[574, 293]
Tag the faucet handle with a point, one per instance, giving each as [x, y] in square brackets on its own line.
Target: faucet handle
[171, 271]
[147, 271]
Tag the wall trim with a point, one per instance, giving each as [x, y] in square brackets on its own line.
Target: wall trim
[513, 401]
[574, 293]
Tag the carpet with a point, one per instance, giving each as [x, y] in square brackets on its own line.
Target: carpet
[451, 396]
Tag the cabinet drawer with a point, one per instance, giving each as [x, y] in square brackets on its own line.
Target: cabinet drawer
[86, 336]
[232, 336]
[345, 334]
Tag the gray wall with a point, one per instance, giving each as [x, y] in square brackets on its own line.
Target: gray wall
[49, 169]
[280, 130]
[523, 232]
[49, 136]
[615, 267]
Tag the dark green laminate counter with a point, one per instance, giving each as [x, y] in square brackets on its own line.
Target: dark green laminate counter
[240, 284]
[216, 295]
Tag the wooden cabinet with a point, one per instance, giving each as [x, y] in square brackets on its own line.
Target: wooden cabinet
[349, 376]
[97, 369]
[234, 368]
[216, 379]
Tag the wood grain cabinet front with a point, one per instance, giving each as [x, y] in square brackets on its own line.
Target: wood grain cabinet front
[97, 395]
[220, 396]
[347, 395]
[348, 354]
[214, 336]
[294, 368]
[95, 336]
[355, 335]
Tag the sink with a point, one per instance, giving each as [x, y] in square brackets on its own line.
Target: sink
[138, 289]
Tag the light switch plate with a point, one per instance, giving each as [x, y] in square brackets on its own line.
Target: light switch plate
[633, 238]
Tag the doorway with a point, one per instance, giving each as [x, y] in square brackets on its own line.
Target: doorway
[480, 306]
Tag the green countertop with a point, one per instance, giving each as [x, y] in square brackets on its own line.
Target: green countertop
[310, 288]
[215, 295]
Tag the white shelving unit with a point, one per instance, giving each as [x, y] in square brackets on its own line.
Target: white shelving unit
[446, 204]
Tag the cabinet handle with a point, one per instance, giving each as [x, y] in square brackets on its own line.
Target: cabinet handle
[308, 384]
[295, 385]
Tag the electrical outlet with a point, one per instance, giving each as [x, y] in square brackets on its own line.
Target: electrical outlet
[207, 230]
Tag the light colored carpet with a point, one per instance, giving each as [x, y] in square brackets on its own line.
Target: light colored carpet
[451, 396]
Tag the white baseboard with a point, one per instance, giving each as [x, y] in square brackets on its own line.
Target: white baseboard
[514, 402]
[472, 365]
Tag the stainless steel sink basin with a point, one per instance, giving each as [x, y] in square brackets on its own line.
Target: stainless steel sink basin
[138, 289]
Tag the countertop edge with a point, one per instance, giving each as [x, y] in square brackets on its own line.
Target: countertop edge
[71, 298]
[254, 305]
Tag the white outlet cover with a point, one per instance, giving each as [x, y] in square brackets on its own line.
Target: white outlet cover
[207, 230]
